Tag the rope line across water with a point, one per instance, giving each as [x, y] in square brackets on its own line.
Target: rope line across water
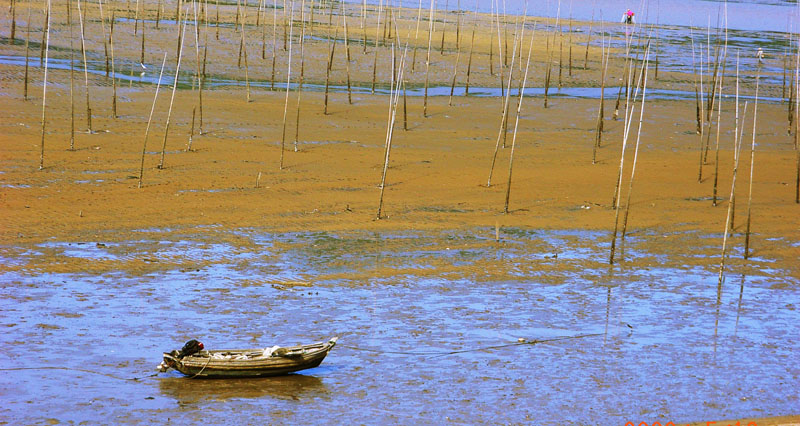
[78, 369]
[460, 351]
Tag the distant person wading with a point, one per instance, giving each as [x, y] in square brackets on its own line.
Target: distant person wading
[627, 17]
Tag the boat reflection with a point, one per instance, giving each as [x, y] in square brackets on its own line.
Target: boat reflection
[292, 386]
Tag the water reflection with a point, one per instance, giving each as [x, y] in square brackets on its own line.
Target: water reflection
[291, 387]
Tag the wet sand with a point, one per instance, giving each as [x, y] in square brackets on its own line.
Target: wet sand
[83, 221]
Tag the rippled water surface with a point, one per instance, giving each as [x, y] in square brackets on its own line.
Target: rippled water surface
[668, 344]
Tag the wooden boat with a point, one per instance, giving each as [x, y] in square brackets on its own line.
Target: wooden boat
[273, 361]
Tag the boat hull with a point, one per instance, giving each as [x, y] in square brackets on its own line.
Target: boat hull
[206, 365]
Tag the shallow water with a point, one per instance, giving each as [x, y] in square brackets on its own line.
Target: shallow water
[671, 345]
[185, 82]
[750, 15]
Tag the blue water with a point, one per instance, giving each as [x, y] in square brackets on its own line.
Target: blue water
[748, 15]
[670, 345]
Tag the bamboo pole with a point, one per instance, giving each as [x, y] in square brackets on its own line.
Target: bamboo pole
[301, 77]
[201, 74]
[717, 82]
[471, 48]
[570, 41]
[288, 81]
[45, 28]
[332, 52]
[416, 37]
[150, 119]
[501, 133]
[444, 26]
[136, 19]
[274, 41]
[600, 111]
[347, 55]
[428, 62]
[393, 98]
[244, 48]
[752, 163]
[13, 20]
[500, 61]
[560, 57]
[263, 31]
[625, 133]
[716, 149]
[191, 132]
[71, 80]
[588, 42]
[27, 54]
[516, 122]
[698, 115]
[113, 69]
[796, 93]
[505, 31]
[44, 85]
[238, 13]
[729, 218]
[141, 57]
[627, 121]
[635, 154]
[547, 71]
[655, 75]
[328, 71]
[458, 24]
[491, 37]
[364, 25]
[405, 108]
[455, 73]
[377, 36]
[716, 76]
[783, 85]
[103, 26]
[172, 98]
[85, 70]
[311, 20]
[737, 139]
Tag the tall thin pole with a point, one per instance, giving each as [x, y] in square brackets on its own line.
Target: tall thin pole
[274, 40]
[393, 98]
[300, 77]
[44, 86]
[416, 36]
[729, 218]
[516, 122]
[85, 71]
[377, 37]
[347, 55]
[113, 68]
[505, 115]
[27, 53]
[71, 80]
[588, 41]
[150, 119]
[172, 98]
[428, 62]
[628, 119]
[288, 82]
[752, 163]
[635, 154]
